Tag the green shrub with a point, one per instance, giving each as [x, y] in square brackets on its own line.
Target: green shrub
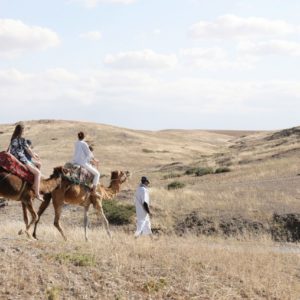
[203, 171]
[191, 171]
[147, 151]
[222, 170]
[153, 286]
[175, 185]
[118, 214]
[53, 293]
[76, 259]
[171, 175]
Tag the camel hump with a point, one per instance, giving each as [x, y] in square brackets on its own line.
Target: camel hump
[79, 175]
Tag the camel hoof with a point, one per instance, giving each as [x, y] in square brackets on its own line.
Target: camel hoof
[28, 235]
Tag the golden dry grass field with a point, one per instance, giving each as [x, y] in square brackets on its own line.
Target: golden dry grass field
[218, 235]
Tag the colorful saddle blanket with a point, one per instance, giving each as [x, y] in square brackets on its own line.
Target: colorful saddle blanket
[11, 164]
[79, 175]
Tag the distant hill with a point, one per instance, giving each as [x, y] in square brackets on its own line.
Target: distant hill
[116, 147]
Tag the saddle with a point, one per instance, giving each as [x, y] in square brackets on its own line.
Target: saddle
[12, 165]
[79, 175]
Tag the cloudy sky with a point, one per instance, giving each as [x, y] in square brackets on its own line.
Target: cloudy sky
[152, 64]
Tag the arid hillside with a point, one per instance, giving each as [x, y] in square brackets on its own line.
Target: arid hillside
[117, 147]
[225, 210]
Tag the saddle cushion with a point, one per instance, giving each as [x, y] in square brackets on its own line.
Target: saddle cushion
[11, 164]
[79, 175]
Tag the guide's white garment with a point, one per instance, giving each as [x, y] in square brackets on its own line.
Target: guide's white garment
[82, 153]
[143, 223]
[82, 156]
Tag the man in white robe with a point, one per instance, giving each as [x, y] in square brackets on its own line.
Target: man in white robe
[142, 202]
[83, 156]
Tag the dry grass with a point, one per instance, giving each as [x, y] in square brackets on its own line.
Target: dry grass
[166, 268]
[262, 181]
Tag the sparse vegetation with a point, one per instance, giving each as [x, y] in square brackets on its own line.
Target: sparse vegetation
[227, 250]
[147, 150]
[175, 185]
[171, 175]
[76, 259]
[222, 170]
[118, 214]
[191, 171]
[153, 286]
[53, 293]
[204, 171]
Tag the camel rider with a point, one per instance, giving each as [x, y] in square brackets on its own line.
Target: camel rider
[83, 156]
[18, 147]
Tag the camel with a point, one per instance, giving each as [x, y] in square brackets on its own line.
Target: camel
[80, 195]
[13, 187]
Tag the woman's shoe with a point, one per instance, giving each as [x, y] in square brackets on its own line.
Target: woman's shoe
[39, 197]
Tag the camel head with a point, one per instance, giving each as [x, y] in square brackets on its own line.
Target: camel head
[120, 175]
[58, 172]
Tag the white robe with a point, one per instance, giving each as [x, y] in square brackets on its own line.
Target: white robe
[143, 223]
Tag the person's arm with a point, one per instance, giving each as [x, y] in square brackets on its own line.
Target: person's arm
[146, 202]
[87, 150]
[31, 153]
[146, 207]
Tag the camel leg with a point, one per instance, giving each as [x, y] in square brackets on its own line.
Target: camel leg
[86, 221]
[100, 213]
[25, 217]
[57, 204]
[33, 217]
[42, 208]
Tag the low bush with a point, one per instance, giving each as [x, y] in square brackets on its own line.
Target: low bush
[53, 293]
[222, 170]
[76, 259]
[204, 171]
[191, 171]
[171, 175]
[118, 214]
[147, 151]
[175, 185]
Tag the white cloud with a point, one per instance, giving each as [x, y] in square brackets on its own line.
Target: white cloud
[60, 74]
[126, 89]
[94, 3]
[231, 26]
[17, 37]
[91, 35]
[272, 47]
[214, 58]
[145, 59]
[12, 76]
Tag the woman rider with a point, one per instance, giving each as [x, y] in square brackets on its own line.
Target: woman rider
[18, 148]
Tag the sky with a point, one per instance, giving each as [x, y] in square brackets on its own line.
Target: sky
[152, 64]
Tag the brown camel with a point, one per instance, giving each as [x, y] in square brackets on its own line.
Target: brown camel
[14, 188]
[80, 195]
